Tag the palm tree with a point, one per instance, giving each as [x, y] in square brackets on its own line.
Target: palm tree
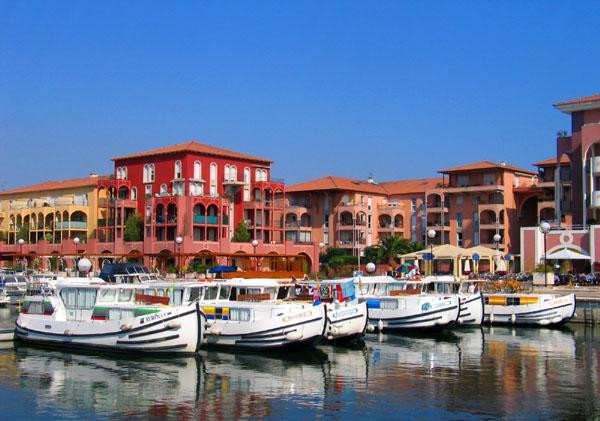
[393, 245]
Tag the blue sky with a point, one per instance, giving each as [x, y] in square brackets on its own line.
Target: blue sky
[397, 89]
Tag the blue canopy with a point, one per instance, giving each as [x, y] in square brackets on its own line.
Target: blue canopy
[222, 268]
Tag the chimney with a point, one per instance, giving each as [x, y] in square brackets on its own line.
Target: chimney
[370, 179]
[503, 163]
[93, 174]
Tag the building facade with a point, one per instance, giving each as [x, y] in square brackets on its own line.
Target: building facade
[571, 192]
[354, 214]
[191, 190]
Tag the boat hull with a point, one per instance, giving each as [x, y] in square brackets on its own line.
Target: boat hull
[471, 309]
[345, 323]
[548, 310]
[173, 330]
[412, 312]
[274, 334]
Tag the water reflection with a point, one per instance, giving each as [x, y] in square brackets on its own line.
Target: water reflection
[493, 372]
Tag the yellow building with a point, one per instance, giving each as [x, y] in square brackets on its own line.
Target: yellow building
[52, 211]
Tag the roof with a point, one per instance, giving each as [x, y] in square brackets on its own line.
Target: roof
[54, 185]
[337, 183]
[411, 186]
[579, 104]
[444, 251]
[552, 161]
[485, 165]
[196, 147]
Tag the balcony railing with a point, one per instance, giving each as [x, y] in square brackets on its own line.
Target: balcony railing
[102, 222]
[71, 225]
[211, 220]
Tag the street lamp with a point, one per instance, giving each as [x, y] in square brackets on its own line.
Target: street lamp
[21, 242]
[179, 241]
[431, 235]
[545, 229]
[254, 245]
[497, 238]
[76, 241]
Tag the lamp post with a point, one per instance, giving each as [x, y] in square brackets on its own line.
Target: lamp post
[76, 241]
[545, 229]
[21, 242]
[497, 238]
[178, 242]
[254, 245]
[431, 235]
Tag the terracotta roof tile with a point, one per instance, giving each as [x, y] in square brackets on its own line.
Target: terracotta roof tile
[552, 161]
[54, 185]
[411, 186]
[337, 183]
[485, 165]
[581, 100]
[196, 147]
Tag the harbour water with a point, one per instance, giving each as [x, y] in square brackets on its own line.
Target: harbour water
[499, 372]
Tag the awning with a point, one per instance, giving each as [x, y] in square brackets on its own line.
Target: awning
[566, 254]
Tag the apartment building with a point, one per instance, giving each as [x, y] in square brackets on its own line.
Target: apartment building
[354, 214]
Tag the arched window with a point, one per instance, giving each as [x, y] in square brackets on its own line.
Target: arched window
[146, 173]
[163, 190]
[264, 175]
[213, 179]
[177, 169]
[227, 173]
[257, 175]
[197, 170]
[124, 173]
[151, 173]
[233, 173]
[246, 184]
[134, 193]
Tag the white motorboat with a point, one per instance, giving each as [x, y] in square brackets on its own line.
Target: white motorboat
[391, 306]
[249, 314]
[471, 298]
[525, 308]
[88, 313]
[346, 316]
[15, 287]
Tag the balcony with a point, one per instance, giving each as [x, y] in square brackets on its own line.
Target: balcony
[210, 220]
[350, 243]
[437, 226]
[74, 225]
[490, 226]
[102, 222]
[389, 207]
[390, 228]
[494, 207]
[296, 226]
[437, 208]
[473, 188]
[103, 202]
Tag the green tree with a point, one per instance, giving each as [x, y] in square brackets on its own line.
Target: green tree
[23, 233]
[242, 235]
[134, 227]
[391, 246]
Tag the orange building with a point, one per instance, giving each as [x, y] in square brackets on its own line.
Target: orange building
[353, 214]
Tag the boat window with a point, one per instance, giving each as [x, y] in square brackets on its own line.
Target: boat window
[283, 293]
[211, 293]
[120, 313]
[125, 295]
[149, 292]
[224, 293]
[239, 314]
[107, 295]
[388, 304]
[86, 298]
[176, 296]
[271, 291]
[194, 294]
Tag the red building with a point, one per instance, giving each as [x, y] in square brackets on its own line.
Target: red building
[201, 193]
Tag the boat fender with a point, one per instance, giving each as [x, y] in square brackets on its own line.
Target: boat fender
[208, 323]
[380, 325]
[215, 332]
[174, 324]
[125, 326]
[68, 333]
[293, 336]
[491, 317]
[370, 328]
[544, 322]
[557, 319]
[513, 318]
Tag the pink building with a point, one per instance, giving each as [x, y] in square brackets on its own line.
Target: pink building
[571, 181]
